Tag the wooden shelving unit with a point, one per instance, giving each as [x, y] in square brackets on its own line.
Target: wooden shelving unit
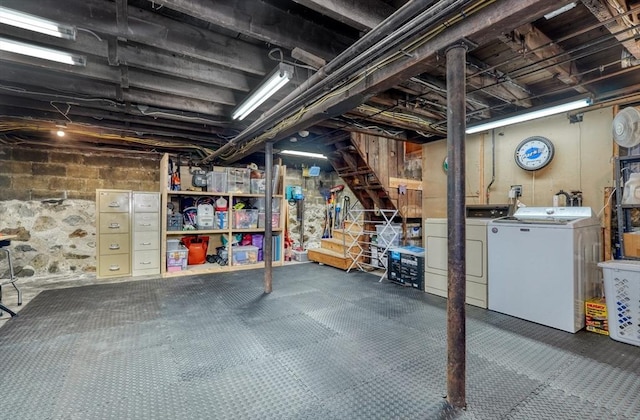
[216, 235]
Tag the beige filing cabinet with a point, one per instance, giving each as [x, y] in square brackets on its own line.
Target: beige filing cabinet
[436, 241]
[113, 232]
[145, 233]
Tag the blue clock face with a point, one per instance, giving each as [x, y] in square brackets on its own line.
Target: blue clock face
[534, 153]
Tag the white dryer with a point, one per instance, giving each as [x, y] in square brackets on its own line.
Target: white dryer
[436, 261]
[543, 264]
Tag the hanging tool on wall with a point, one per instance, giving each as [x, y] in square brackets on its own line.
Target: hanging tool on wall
[333, 207]
[402, 205]
[346, 207]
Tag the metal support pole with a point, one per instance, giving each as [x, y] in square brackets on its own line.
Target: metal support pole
[456, 115]
[268, 236]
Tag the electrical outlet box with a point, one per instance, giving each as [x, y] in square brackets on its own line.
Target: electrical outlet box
[517, 190]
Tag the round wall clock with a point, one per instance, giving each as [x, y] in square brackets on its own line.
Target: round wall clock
[534, 153]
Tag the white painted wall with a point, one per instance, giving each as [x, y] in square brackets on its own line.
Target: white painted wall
[583, 161]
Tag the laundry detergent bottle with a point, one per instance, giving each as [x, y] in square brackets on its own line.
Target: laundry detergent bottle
[631, 192]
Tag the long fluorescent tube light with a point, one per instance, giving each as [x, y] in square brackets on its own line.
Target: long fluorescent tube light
[529, 115]
[306, 154]
[36, 24]
[64, 57]
[560, 11]
[278, 78]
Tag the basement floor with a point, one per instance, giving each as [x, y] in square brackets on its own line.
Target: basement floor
[324, 345]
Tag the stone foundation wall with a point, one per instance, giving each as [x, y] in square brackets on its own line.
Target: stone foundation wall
[53, 238]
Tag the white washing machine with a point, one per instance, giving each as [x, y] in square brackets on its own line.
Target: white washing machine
[543, 264]
[436, 243]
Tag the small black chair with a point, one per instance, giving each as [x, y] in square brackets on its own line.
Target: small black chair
[4, 246]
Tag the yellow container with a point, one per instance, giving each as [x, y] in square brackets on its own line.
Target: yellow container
[596, 316]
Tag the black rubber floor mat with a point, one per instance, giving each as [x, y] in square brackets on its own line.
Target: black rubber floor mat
[324, 345]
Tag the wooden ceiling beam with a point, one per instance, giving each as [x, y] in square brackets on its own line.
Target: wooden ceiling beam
[362, 15]
[604, 13]
[94, 70]
[74, 91]
[143, 57]
[528, 38]
[260, 20]
[154, 30]
[479, 28]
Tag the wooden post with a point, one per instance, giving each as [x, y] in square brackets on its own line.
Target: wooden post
[456, 124]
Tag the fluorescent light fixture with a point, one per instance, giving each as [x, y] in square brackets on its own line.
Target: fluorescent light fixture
[560, 11]
[278, 78]
[23, 48]
[36, 24]
[530, 115]
[305, 154]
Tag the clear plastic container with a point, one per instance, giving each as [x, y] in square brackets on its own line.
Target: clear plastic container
[631, 192]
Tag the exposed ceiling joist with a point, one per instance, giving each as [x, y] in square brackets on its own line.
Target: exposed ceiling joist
[154, 30]
[263, 21]
[361, 15]
[603, 12]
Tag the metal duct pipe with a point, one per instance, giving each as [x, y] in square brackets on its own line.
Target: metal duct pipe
[373, 45]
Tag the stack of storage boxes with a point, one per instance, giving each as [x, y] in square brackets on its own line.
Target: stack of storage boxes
[177, 255]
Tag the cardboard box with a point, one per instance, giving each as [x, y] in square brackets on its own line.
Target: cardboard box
[631, 244]
[596, 316]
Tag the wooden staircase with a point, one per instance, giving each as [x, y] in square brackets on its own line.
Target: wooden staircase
[335, 251]
[356, 172]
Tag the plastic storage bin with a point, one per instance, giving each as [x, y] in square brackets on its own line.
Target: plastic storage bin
[275, 220]
[245, 219]
[221, 220]
[238, 180]
[177, 259]
[389, 235]
[174, 221]
[173, 244]
[242, 255]
[217, 182]
[622, 293]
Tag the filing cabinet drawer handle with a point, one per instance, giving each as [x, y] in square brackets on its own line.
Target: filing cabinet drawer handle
[145, 224]
[114, 246]
[145, 263]
[114, 267]
[114, 226]
[145, 243]
[114, 204]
